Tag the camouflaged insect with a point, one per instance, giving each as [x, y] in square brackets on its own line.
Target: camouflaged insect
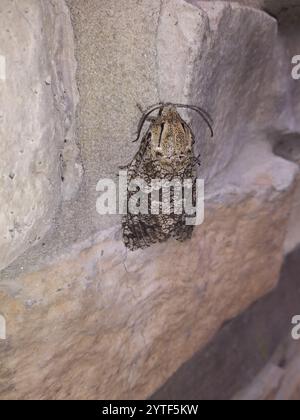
[165, 153]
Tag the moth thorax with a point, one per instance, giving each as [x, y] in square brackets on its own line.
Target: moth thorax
[169, 113]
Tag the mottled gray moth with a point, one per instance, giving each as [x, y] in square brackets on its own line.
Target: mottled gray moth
[165, 155]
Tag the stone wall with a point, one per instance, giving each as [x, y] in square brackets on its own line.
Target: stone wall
[85, 318]
[37, 105]
[253, 356]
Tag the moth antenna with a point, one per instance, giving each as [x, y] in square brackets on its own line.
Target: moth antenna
[204, 114]
[145, 116]
[196, 108]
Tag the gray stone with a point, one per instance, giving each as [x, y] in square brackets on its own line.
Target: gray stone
[124, 58]
[272, 6]
[37, 110]
[274, 382]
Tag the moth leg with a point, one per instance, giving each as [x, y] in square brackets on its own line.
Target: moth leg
[197, 160]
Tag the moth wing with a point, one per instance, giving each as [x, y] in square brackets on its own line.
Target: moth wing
[134, 166]
[181, 231]
[140, 231]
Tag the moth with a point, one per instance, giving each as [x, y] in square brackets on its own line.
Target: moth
[165, 154]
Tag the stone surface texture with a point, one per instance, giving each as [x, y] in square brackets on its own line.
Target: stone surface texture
[250, 349]
[37, 113]
[277, 383]
[85, 318]
[272, 6]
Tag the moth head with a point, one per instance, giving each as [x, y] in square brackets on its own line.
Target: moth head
[171, 139]
[169, 112]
